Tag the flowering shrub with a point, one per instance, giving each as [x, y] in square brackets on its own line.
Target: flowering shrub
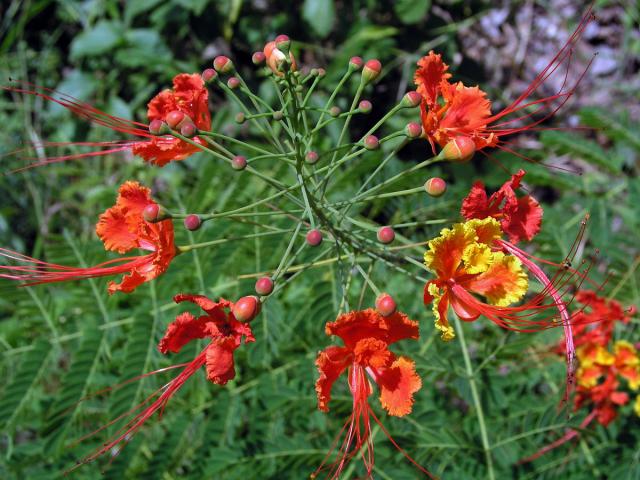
[296, 147]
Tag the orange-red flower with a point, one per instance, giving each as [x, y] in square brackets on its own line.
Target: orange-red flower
[365, 355]
[226, 334]
[450, 111]
[122, 228]
[520, 218]
[189, 96]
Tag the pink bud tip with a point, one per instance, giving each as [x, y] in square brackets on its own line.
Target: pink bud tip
[246, 309]
[157, 127]
[151, 212]
[371, 142]
[371, 70]
[311, 157]
[223, 64]
[264, 286]
[321, 72]
[209, 75]
[411, 99]
[435, 186]
[188, 130]
[233, 83]
[174, 118]
[356, 63]
[386, 235]
[413, 130]
[334, 111]
[385, 305]
[460, 149]
[192, 222]
[239, 162]
[314, 237]
[283, 42]
[258, 58]
[365, 106]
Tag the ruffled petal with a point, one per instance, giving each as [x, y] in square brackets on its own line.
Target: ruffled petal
[113, 231]
[204, 303]
[331, 362]
[162, 150]
[439, 308]
[429, 75]
[356, 325]
[445, 252]
[181, 331]
[397, 385]
[505, 282]
[468, 112]
[219, 361]
[476, 203]
[372, 352]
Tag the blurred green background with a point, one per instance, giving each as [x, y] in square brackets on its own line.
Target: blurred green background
[64, 341]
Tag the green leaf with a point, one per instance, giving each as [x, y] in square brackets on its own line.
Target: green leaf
[411, 11]
[320, 15]
[99, 39]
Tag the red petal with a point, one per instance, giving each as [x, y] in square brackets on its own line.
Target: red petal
[356, 325]
[220, 364]
[476, 205]
[204, 303]
[523, 223]
[331, 362]
[181, 331]
[397, 385]
[430, 73]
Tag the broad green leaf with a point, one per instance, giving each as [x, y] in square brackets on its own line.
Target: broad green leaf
[320, 15]
[97, 40]
[411, 11]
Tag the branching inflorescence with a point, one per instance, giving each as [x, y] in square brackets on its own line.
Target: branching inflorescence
[477, 272]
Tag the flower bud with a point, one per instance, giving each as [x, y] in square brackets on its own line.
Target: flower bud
[264, 286]
[188, 130]
[413, 130]
[158, 127]
[258, 58]
[314, 72]
[233, 83]
[240, 118]
[365, 106]
[371, 142]
[411, 99]
[174, 118]
[314, 237]
[334, 111]
[192, 222]
[239, 162]
[278, 115]
[153, 213]
[385, 305]
[356, 63]
[311, 157]
[209, 75]
[371, 70]
[223, 64]
[283, 43]
[386, 235]
[321, 72]
[460, 149]
[246, 309]
[435, 186]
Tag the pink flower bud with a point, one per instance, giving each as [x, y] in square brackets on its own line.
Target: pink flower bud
[411, 99]
[283, 43]
[356, 63]
[321, 72]
[258, 58]
[239, 162]
[209, 75]
[192, 222]
[435, 186]
[314, 72]
[460, 149]
[314, 237]
[150, 212]
[264, 286]
[413, 130]
[223, 64]
[311, 157]
[246, 309]
[334, 111]
[371, 70]
[365, 106]
[233, 83]
[188, 130]
[386, 235]
[174, 118]
[385, 305]
[371, 142]
[158, 127]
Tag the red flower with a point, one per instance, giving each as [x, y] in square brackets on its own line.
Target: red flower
[453, 110]
[365, 355]
[520, 218]
[121, 228]
[226, 334]
[189, 96]
[605, 399]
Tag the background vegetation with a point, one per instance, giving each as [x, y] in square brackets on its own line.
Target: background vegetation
[64, 341]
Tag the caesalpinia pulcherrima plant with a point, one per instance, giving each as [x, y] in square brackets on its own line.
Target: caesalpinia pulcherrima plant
[478, 269]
